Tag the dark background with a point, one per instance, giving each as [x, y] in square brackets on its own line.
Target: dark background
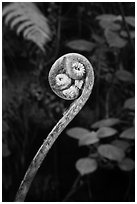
[31, 109]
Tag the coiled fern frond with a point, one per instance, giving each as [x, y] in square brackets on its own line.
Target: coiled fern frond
[25, 17]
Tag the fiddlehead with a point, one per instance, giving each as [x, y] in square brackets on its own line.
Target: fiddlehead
[71, 77]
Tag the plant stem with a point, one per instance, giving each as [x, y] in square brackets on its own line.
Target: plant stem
[89, 188]
[72, 111]
[49, 141]
[73, 188]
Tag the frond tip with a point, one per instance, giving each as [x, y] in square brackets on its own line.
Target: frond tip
[29, 20]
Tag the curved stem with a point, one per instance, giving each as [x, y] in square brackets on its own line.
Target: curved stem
[53, 135]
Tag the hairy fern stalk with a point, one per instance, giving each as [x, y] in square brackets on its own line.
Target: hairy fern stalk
[71, 77]
[26, 18]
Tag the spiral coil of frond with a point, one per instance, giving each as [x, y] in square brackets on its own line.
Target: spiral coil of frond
[71, 77]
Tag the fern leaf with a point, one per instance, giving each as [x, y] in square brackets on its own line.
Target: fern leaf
[11, 12]
[29, 20]
[10, 16]
[8, 9]
[36, 37]
[15, 21]
[28, 30]
[22, 26]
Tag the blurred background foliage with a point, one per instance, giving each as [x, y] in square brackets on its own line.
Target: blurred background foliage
[93, 159]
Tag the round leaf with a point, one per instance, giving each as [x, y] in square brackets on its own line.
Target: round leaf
[125, 35]
[114, 40]
[86, 165]
[108, 17]
[124, 75]
[89, 138]
[106, 132]
[130, 20]
[81, 45]
[121, 144]
[105, 122]
[111, 152]
[130, 104]
[127, 164]
[77, 132]
[128, 133]
[109, 25]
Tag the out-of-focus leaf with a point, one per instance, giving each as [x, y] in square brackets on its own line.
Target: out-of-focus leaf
[130, 103]
[5, 150]
[121, 144]
[77, 132]
[128, 133]
[124, 34]
[109, 25]
[106, 132]
[89, 138]
[130, 20]
[106, 123]
[81, 45]
[124, 75]
[98, 38]
[111, 152]
[86, 165]
[114, 40]
[109, 17]
[127, 164]
[29, 20]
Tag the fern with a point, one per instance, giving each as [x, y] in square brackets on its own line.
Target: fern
[28, 19]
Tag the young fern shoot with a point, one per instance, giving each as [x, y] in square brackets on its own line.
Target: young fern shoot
[71, 77]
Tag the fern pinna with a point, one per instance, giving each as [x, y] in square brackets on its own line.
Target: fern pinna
[25, 17]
